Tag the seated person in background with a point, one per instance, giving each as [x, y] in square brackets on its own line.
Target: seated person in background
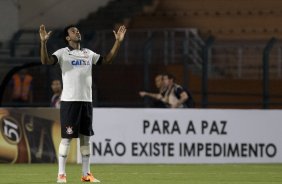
[22, 88]
[57, 91]
[161, 89]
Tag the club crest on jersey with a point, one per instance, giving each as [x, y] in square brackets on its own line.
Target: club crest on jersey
[79, 62]
[69, 130]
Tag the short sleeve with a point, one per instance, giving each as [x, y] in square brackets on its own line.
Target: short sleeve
[178, 91]
[58, 54]
[96, 58]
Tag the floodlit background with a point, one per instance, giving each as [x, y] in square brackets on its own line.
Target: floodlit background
[227, 53]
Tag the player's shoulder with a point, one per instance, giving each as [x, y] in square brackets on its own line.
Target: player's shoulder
[87, 50]
[61, 50]
[177, 86]
[65, 49]
[178, 89]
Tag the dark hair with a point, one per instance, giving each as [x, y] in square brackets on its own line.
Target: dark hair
[56, 80]
[159, 74]
[66, 33]
[169, 76]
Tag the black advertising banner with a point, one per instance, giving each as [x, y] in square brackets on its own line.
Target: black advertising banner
[30, 135]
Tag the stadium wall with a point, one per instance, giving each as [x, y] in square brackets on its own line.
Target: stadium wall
[29, 14]
[186, 136]
[123, 135]
[55, 13]
[9, 20]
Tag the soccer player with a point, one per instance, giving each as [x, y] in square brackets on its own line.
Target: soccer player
[76, 100]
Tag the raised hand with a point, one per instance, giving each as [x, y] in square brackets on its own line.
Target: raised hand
[44, 36]
[119, 35]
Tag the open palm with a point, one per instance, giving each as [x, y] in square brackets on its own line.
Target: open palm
[44, 36]
[120, 33]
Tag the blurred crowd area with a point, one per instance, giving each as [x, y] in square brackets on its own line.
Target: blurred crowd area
[226, 53]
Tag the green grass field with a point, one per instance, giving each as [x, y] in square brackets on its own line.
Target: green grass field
[147, 174]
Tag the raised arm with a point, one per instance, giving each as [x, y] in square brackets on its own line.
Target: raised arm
[119, 35]
[44, 56]
[156, 96]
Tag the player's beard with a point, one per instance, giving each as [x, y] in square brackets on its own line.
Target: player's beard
[79, 37]
[77, 40]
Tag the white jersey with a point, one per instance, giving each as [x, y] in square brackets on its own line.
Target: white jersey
[76, 66]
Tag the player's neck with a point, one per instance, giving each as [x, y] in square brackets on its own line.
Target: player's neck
[74, 45]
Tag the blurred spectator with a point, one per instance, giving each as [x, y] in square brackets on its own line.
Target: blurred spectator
[57, 91]
[22, 88]
[170, 94]
[176, 96]
[159, 83]
[156, 96]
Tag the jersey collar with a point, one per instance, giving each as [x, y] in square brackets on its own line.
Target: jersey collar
[71, 49]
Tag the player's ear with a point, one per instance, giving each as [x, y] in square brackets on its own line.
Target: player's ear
[67, 38]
